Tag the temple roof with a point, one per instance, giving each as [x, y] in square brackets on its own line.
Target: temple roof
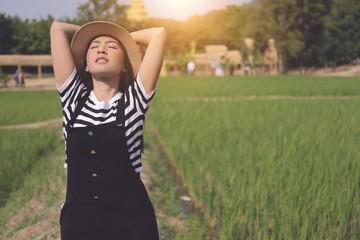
[136, 11]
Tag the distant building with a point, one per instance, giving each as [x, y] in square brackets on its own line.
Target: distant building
[215, 55]
[136, 11]
[231, 62]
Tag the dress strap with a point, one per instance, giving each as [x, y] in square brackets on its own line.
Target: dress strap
[120, 111]
[78, 108]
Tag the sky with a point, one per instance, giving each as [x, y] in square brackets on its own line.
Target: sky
[177, 9]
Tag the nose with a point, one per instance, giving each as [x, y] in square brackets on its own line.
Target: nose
[102, 51]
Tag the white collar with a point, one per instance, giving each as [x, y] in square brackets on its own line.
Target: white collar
[105, 103]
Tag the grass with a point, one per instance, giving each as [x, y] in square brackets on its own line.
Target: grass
[20, 151]
[178, 87]
[35, 188]
[260, 169]
[30, 106]
[173, 223]
[274, 169]
[37, 199]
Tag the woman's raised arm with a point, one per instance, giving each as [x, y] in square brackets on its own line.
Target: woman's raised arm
[62, 59]
[151, 65]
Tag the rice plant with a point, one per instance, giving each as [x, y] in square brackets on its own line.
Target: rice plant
[267, 168]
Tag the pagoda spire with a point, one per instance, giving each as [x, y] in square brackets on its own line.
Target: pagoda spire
[137, 11]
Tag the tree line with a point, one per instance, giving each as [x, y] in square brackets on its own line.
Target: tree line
[307, 33]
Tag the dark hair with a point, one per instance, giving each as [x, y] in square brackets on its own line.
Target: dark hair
[127, 78]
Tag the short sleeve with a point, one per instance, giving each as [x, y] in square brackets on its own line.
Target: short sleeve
[141, 96]
[69, 93]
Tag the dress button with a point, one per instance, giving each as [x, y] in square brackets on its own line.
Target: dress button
[90, 133]
[96, 197]
[94, 175]
[92, 152]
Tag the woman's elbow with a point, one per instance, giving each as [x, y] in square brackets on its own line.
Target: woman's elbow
[161, 32]
[54, 26]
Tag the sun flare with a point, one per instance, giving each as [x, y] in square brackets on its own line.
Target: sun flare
[178, 4]
[179, 9]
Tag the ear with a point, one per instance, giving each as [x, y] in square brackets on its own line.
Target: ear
[86, 69]
[124, 70]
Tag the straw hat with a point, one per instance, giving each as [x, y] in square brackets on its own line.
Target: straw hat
[91, 30]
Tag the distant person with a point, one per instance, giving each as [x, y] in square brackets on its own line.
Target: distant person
[247, 67]
[219, 71]
[22, 79]
[213, 67]
[191, 67]
[16, 78]
[105, 89]
[232, 69]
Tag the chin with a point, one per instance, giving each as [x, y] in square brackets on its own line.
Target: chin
[106, 75]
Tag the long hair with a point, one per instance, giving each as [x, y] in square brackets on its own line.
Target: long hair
[127, 78]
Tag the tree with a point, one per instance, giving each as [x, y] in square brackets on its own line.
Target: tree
[41, 36]
[276, 19]
[237, 24]
[105, 10]
[307, 32]
[343, 33]
[31, 37]
[22, 35]
[311, 16]
[6, 33]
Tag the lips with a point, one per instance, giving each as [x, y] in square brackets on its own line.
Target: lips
[101, 60]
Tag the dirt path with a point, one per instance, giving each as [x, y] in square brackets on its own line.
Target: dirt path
[52, 123]
[32, 85]
[340, 71]
[266, 97]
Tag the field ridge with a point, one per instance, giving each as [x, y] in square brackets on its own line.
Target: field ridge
[56, 122]
[266, 97]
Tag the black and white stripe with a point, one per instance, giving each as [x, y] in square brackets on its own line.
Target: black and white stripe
[95, 113]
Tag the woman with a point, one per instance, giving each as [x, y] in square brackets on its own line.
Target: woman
[105, 90]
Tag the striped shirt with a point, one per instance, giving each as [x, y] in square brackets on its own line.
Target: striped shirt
[94, 112]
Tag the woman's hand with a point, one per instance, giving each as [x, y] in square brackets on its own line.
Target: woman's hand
[154, 39]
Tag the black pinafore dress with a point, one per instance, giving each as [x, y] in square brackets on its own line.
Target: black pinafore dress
[105, 198]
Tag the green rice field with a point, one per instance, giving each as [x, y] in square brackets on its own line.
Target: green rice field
[263, 157]
[20, 151]
[266, 167]
[29, 106]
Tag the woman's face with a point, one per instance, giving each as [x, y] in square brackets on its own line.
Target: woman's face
[105, 58]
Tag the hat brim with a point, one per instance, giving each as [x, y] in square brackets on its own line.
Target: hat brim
[91, 30]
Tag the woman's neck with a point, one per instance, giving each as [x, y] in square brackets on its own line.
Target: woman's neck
[105, 90]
